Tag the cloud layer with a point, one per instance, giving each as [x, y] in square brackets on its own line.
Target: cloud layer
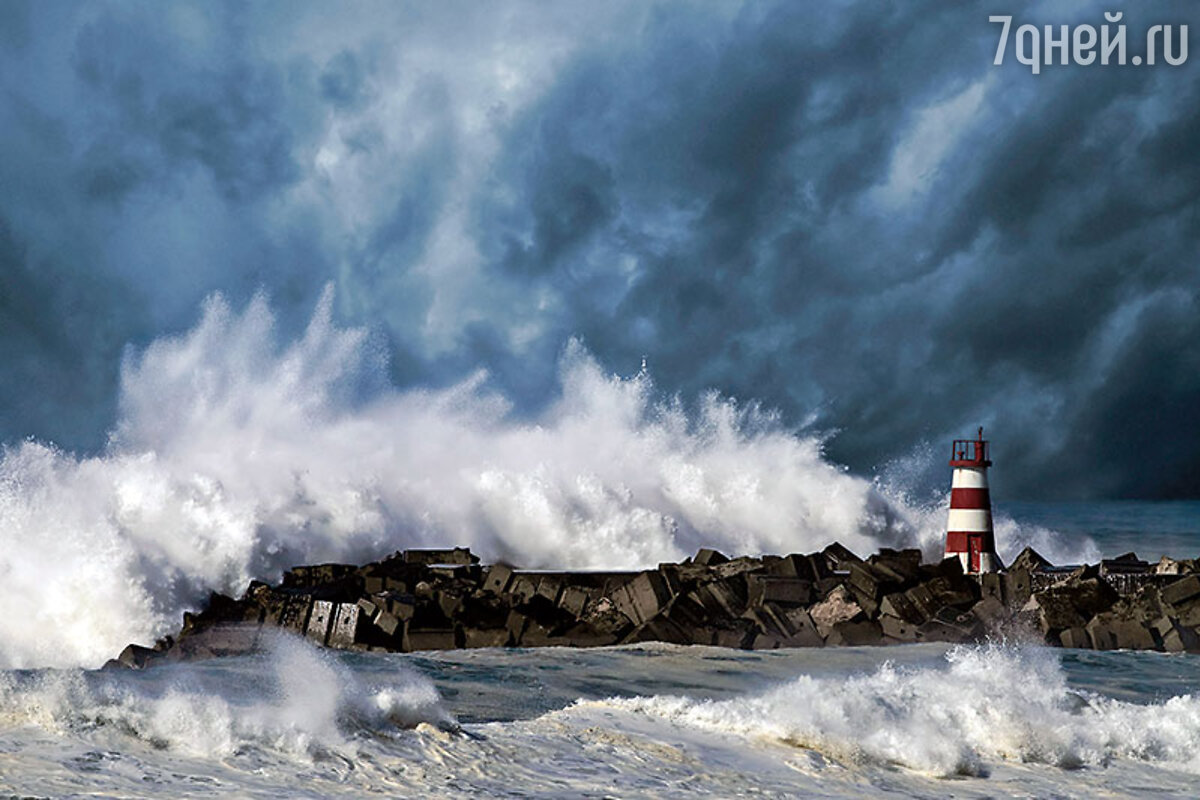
[853, 217]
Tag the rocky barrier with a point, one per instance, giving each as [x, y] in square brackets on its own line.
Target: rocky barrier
[442, 599]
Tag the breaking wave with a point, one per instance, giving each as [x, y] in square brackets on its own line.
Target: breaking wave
[308, 704]
[988, 704]
[235, 457]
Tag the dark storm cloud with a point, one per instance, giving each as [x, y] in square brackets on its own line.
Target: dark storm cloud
[851, 214]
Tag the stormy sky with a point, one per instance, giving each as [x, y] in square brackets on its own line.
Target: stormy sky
[842, 210]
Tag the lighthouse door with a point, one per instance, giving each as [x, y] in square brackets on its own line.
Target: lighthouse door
[974, 548]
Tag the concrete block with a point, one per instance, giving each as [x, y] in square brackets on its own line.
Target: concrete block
[991, 584]
[866, 602]
[320, 619]
[791, 566]
[839, 557]
[344, 628]
[294, 616]
[854, 634]
[523, 587]
[1017, 587]
[992, 612]
[217, 641]
[736, 567]
[368, 609]
[802, 632]
[497, 579]
[902, 565]
[1075, 638]
[867, 580]
[402, 606]
[391, 625]
[1109, 632]
[416, 639]
[138, 657]
[708, 557]
[1054, 612]
[584, 634]
[658, 629]
[898, 629]
[1028, 560]
[765, 641]
[550, 587]
[573, 600]
[740, 638]
[777, 589]
[838, 607]
[643, 598]
[491, 637]
[899, 606]
[1176, 638]
[450, 603]
[1179, 592]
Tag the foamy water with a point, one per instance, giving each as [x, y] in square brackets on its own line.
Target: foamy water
[913, 721]
[237, 456]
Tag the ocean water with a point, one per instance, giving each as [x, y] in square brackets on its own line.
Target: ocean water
[236, 456]
[1004, 720]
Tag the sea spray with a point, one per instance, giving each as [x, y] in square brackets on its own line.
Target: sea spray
[236, 457]
[986, 704]
[305, 702]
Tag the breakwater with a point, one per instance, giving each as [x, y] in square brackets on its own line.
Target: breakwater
[442, 599]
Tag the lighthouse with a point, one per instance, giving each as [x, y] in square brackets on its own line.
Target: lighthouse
[969, 534]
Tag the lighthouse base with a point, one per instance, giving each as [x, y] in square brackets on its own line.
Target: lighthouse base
[983, 562]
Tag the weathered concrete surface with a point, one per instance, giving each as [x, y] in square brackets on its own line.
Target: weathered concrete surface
[441, 599]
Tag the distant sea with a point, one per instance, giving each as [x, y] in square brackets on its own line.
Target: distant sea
[1007, 719]
[1150, 529]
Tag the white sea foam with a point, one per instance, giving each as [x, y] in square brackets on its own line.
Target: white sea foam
[308, 704]
[235, 457]
[988, 704]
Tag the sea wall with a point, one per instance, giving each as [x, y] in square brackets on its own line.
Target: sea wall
[442, 599]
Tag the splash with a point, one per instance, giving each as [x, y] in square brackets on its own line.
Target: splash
[304, 704]
[988, 704]
[236, 457]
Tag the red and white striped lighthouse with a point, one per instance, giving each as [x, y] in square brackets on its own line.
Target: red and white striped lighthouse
[969, 533]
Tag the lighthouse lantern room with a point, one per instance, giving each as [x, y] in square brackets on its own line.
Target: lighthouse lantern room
[969, 533]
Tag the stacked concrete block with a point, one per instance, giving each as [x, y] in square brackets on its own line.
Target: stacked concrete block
[439, 599]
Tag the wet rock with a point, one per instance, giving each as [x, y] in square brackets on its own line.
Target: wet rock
[1176, 638]
[418, 639]
[1108, 631]
[1053, 613]
[855, 634]
[1076, 638]
[497, 578]
[776, 589]
[643, 598]
[1028, 560]
[899, 606]
[897, 629]
[320, 618]
[137, 657]
[791, 566]
[709, 558]
[952, 626]
[838, 607]
[344, 628]
[224, 639]
[839, 557]
[1018, 587]
[991, 584]
[1180, 592]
